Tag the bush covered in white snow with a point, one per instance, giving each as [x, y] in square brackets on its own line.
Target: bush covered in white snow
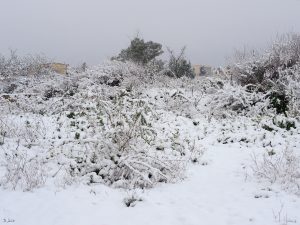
[275, 74]
[282, 167]
[133, 148]
[15, 65]
[127, 125]
[23, 171]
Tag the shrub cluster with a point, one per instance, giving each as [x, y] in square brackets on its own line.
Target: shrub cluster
[15, 65]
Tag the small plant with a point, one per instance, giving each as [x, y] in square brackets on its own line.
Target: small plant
[280, 102]
[2, 136]
[272, 152]
[50, 93]
[290, 124]
[77, 135]
[268, 128]
[284, 123]
[196, 123]
[132, 200]
[71, 115]
[101, 123]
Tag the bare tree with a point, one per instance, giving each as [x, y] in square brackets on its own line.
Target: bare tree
[178, 66]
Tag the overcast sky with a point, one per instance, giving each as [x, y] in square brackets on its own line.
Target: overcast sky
[74, 31]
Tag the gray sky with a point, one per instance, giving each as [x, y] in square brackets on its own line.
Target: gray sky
[74, 31]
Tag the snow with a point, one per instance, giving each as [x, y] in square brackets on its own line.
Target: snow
[216, 193]
[208, 147]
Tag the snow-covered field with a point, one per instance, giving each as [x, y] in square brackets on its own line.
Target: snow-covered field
[217, 193]
[77, 150]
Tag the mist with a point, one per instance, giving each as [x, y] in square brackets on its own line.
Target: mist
[76, 31]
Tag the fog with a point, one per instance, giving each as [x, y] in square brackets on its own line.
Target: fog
[74, 31]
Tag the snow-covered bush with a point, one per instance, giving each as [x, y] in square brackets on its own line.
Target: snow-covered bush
[281, 167]
[132, 199]
[23, 172]
[267, 83]
[134, 149]
[232, 100]
[264, 70]
[28, 130]
[284, 122]
[22, 168]
[126, 74]
[130, 119]
[15, 65]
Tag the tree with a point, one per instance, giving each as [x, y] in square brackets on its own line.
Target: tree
[178, 66]
[84, 66]
[140, 52]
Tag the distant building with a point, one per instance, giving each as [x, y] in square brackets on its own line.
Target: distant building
[59, 68]
[201, 70]
[196, 69]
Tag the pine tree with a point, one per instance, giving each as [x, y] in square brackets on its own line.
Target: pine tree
[140, 52]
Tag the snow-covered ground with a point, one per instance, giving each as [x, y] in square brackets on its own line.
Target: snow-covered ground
[241, 168]
[216, 193]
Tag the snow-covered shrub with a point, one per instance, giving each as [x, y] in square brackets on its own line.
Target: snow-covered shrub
[279, 101]
[230, 99]
[15, 65]
[24, 128]
[132, 199]
[264, 70]
[262, 84]
[276, 72]
[111, 71]
[134, 149]
[182, 96]
[281, 167]
[127, 74]
[66, 88]
[284, 122]
[127, 119]
[10, 66]
[22, 171]
[180, 102]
